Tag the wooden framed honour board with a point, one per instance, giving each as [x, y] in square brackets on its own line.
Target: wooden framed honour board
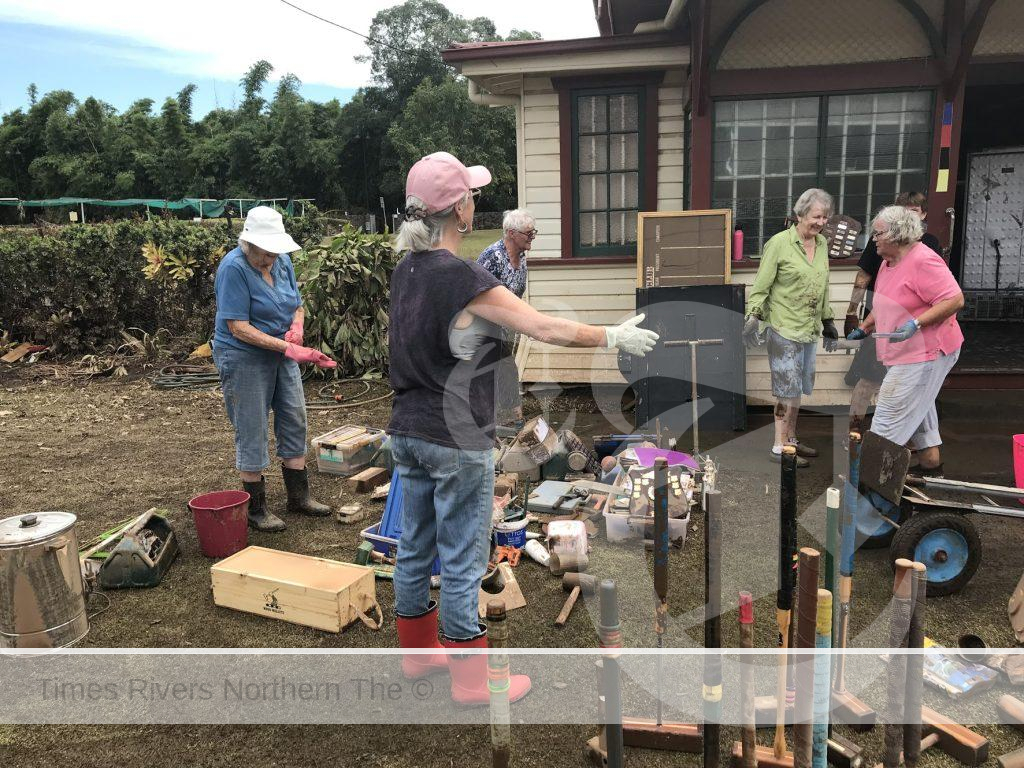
[677, 248]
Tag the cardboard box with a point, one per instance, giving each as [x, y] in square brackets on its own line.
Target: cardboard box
[311, 591]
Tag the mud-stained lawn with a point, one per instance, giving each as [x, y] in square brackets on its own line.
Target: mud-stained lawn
[110, 449]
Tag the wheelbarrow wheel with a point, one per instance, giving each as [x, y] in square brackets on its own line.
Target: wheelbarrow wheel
[946, 542]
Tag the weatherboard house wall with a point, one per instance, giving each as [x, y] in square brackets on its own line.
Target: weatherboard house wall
[715, 51]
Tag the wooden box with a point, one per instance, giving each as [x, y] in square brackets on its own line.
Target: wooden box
[311, 591]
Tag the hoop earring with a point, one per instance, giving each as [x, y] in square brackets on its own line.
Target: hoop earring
[463, 228]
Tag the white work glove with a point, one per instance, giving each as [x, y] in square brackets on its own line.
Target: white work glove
[630, 338]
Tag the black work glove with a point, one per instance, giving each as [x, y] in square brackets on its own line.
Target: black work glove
[830, 335]
[852, 324]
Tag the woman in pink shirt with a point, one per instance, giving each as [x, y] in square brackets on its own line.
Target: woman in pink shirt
[917, 335]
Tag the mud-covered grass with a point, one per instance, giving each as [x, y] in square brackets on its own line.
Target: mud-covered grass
[109, 449]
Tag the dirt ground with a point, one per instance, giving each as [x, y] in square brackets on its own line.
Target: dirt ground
[109, 449]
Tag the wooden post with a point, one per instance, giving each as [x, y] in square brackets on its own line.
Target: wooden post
[498, 681]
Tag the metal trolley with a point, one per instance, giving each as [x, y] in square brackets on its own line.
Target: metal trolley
[924, 518]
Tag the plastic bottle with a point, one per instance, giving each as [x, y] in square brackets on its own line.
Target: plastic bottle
[737, 244]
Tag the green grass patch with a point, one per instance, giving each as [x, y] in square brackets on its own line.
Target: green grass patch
[474, 243]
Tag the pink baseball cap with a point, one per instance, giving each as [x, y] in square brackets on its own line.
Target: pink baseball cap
[440, 180]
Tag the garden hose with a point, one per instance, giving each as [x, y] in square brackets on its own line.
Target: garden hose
[326, 401]
[187, 377]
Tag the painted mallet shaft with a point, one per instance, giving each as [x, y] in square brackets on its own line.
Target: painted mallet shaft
[807, 617]
[610, 637]
[833, 500]
[498, 681]
[915, 668]
[712, 691]
[899, 625]
[748, 738]
[660, 560]
[575, 584]
[822, 680]
[784, 594]
[846, 550]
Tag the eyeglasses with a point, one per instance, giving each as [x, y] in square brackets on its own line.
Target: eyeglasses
[475, 193]
[528, 235]
[876, 235]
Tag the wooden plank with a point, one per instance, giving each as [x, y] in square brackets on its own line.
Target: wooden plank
[541, 147]
[542, 163]
[369, 479]
[540, 114]
[17, 353]
[546, 130]
[536, 195]
[594, 286]
[585, 302]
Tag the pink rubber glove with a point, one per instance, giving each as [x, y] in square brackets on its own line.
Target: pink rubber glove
[294, 334]
[307, 355]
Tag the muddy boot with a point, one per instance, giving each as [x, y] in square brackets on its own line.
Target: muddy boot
[259, 517]
[469, 674]
[296, 482]
[420, 632]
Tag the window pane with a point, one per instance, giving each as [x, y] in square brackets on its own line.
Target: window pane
[624, 112]
[763, 149]
[593, 114]
[625, 188]
[623, 224]
[877, 145]
[624, 151]
[593, 192]
[593, 229]
[593, 153]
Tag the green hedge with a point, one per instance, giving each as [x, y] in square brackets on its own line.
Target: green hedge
[77, 287]
[345, 288]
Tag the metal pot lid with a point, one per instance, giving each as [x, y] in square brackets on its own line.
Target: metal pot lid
[33, 527]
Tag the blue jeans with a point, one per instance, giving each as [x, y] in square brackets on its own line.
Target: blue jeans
[255, 382]
[447, 495]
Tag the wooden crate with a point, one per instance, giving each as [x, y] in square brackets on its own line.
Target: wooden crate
[311, 591]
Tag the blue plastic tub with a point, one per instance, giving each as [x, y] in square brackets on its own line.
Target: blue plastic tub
[385, 535]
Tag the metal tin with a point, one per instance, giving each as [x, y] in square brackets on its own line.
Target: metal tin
[42, 597]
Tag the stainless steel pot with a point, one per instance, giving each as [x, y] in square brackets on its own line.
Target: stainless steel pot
[42, 598]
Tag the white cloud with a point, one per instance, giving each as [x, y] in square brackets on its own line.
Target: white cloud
[223, 39]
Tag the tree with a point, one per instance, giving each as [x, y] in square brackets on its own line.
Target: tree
[441, 117]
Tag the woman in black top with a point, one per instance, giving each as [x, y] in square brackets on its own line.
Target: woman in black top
[444, 336]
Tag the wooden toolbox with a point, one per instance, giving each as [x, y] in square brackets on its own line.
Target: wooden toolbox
[311, 591]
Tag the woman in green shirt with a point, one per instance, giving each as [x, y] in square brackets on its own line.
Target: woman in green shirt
[790, 297]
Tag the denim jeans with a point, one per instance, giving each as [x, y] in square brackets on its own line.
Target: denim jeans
[255, 382]
[447, 496]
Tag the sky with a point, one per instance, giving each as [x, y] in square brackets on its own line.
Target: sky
[121, 51]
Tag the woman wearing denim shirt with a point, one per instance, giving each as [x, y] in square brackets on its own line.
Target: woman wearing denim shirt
[506, 260]
[257, 348]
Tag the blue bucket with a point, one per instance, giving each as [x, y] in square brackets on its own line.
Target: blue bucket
[511, 534]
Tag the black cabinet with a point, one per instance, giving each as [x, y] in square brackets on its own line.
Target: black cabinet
[662, 379]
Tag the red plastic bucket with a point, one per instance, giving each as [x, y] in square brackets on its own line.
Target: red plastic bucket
[222, 522]
[1018, 462]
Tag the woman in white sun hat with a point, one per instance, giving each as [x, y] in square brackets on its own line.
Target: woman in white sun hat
[257, 348]
[445, 341]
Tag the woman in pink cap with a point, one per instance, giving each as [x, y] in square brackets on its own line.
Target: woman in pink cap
[445, 341]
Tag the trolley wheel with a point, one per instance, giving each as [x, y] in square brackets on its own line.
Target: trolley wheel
[946, 542]
[871, 518]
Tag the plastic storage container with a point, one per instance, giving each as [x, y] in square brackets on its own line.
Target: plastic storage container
[385, 535]
[347, 450]
[623, 527]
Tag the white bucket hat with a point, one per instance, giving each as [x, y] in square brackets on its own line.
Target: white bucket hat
[264, 228]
